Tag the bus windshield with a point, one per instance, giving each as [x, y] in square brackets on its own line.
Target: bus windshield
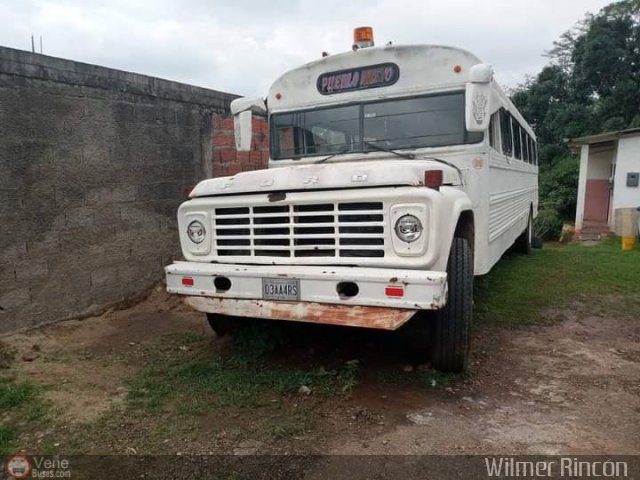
[416, 122]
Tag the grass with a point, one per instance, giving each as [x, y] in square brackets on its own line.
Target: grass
[22, 406]
[279, 428]
[198, 385]
[519, 288]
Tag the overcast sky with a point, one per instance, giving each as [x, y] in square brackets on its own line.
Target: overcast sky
[241, 46]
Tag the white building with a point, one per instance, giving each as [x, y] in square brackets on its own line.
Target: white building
[609, 178]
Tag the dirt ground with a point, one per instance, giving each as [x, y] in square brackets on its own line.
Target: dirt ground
[570, 386]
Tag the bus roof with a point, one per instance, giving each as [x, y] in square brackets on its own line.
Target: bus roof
[420, 68]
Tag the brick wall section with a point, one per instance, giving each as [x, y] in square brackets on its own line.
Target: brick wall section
[226, 160]
[93, 165]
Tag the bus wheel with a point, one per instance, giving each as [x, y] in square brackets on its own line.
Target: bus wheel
[450, 329]
[220, 324]
[523, 242]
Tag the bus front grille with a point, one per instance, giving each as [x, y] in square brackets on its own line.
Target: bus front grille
[354, 229]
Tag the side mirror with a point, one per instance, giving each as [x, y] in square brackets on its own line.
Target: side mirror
[478, 98]
[241, 109]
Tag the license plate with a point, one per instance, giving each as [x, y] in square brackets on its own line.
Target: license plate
[280, 289]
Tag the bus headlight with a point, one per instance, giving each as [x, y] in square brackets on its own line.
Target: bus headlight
[196, 232]
[408, 228]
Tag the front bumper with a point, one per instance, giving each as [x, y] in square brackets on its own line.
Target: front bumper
[319, 301]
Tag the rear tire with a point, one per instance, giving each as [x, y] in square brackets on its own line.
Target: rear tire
[451, 327]
[524, 241]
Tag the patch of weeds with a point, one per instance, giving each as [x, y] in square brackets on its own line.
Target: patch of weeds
[348, 378]
[7, 438]
[193, 409]
[202, 384]
[14, 394]
[281, 428]
[22, 406]
[145, 391]
[429, 378]
[189, 338]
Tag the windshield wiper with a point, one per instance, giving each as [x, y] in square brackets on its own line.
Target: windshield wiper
[409, 156]
[346, 149]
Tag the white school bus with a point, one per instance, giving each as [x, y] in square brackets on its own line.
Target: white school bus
[396, 174]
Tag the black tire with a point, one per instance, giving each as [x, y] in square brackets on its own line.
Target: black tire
[451, 327]
[524, 241]
[536, 242]
[220, 324]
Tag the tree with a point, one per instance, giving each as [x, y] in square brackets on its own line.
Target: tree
[591, 85]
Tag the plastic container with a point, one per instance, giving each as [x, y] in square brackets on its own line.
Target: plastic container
[629, 242]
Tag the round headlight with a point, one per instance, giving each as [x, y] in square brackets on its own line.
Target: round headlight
[408, 228]
[196, 232]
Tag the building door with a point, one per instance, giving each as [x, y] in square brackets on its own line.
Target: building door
[596, 201]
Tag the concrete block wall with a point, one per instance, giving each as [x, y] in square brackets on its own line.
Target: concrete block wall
[93, 165]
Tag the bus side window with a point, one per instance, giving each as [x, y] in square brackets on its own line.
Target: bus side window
[492, 132]
[517, 140]
[505, 132]
[535, 153]
[525, 145]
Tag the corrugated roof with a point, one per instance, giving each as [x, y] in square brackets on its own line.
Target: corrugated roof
[602, 137]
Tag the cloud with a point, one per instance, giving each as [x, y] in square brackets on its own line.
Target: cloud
[242, 46]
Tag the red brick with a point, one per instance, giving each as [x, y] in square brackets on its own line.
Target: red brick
[218, 170]
[227, 155]
[258, 124]
[221, 138]
[243, 156]
[233, 169]
[227, 122]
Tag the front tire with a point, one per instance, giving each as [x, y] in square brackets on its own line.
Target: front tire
[451, 327]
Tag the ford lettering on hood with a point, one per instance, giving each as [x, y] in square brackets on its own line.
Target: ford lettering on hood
[326, 177]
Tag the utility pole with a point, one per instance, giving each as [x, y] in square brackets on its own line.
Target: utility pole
[33, 45]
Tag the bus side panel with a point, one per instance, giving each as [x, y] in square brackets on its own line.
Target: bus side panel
[513, 191]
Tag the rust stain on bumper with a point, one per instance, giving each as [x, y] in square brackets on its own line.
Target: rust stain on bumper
[330, 314]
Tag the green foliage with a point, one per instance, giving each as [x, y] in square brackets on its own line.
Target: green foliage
[519, 288]
[548, 224]
[204, 384]
[591, 85]
[7, 437]
[22, 406]
[14, 394]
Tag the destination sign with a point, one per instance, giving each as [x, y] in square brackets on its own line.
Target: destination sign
[371, 76]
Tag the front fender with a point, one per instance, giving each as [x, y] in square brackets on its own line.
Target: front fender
[454, 202]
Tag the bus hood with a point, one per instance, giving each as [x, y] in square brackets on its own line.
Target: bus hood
[327, 176]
